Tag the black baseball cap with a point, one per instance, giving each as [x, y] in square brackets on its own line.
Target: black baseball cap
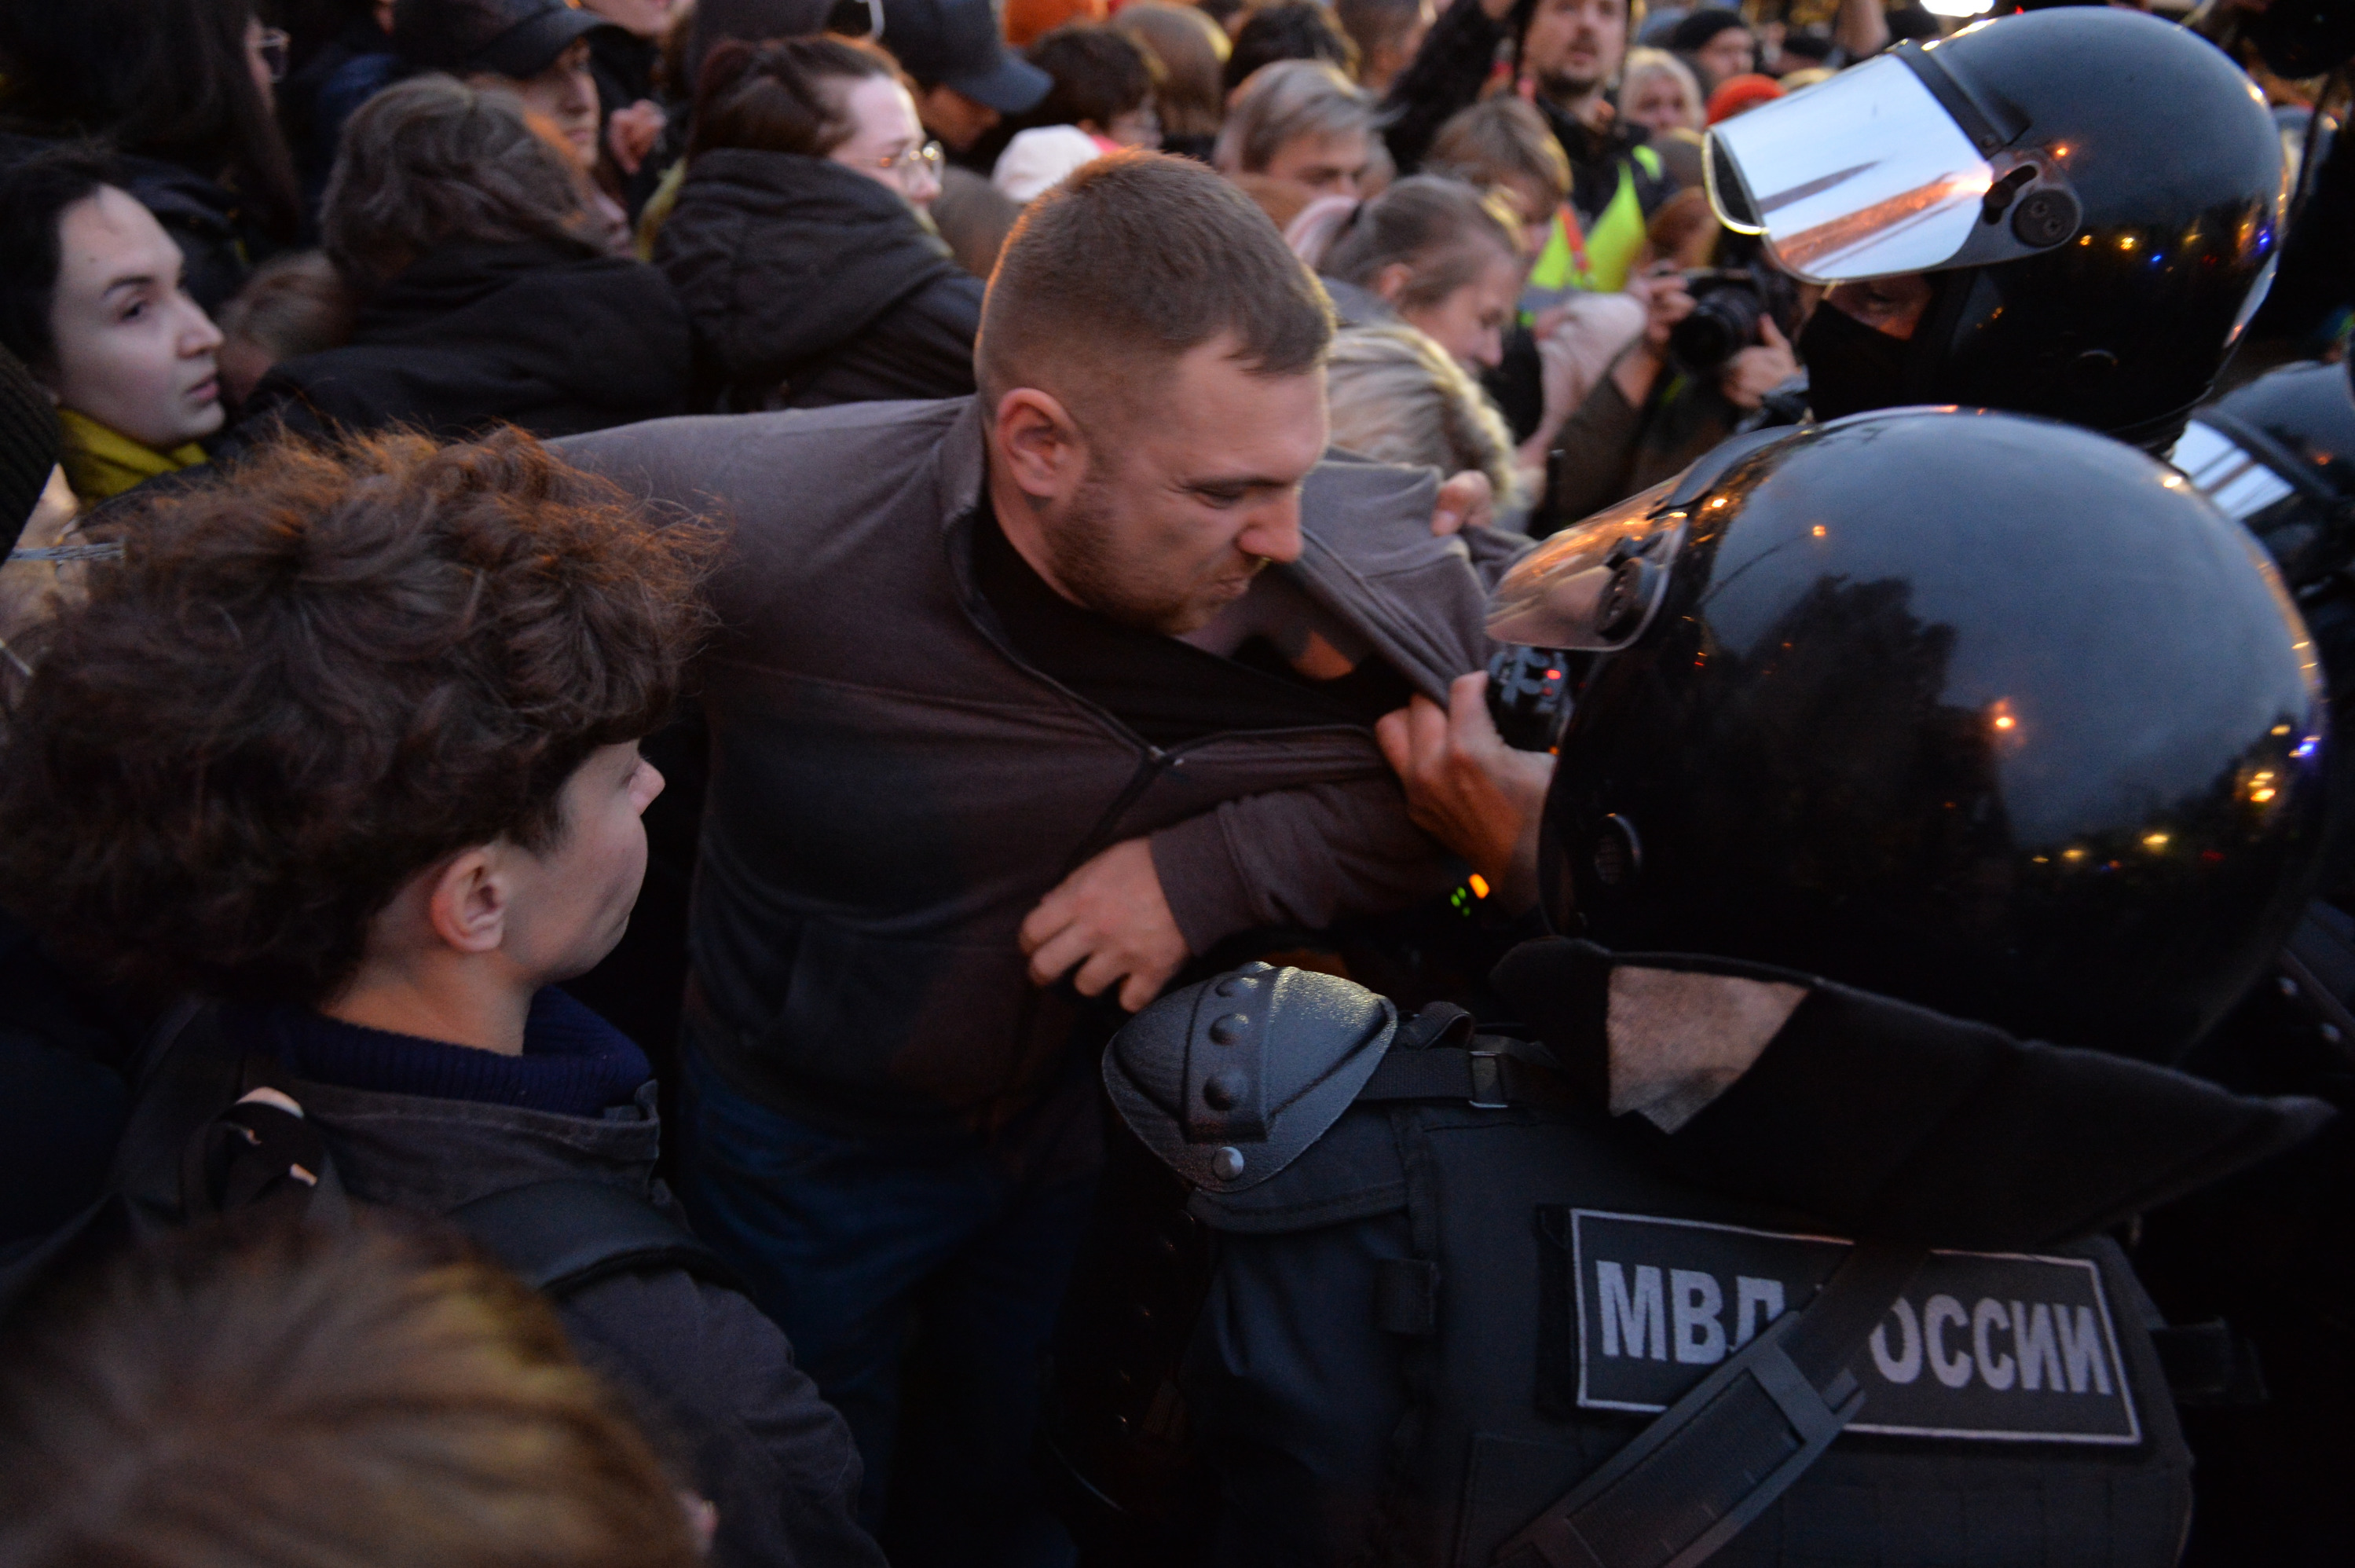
[517, 39]
[955, 44]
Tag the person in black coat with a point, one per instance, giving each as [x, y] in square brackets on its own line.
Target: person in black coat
[798, 246]
[460, 228]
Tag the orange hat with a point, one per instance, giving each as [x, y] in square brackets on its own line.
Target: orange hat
[1736, 93]
[1028, 21]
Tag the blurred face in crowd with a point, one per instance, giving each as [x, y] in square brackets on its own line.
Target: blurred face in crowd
[1470, 323]
[958, 121]
[1327, 163]
[1657, 102]
[1160, 520]
[565, 95]
[646, 18]
[1732, 52]
[886, 141]
[1574, 46]
[133, 351]
[1893, 306]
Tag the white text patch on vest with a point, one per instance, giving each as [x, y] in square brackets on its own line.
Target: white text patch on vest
[1998, 1346]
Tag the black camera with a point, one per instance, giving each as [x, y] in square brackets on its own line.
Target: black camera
[1727, 305]
[1528, 696]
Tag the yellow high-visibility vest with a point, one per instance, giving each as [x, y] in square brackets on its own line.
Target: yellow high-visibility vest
[1599, 261]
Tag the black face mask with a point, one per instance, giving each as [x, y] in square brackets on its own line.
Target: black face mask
[1851, 366]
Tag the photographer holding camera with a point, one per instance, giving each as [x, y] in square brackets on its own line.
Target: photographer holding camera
[1711, 351]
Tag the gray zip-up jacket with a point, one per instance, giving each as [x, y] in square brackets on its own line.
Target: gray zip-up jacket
[893, 790]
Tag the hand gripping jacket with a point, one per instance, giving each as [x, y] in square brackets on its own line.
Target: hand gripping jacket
[1410, 1285]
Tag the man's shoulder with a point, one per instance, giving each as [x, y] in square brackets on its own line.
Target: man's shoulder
[801, 459]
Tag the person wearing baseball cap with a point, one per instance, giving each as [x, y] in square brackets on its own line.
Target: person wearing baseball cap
[538, 49]
[965, 79]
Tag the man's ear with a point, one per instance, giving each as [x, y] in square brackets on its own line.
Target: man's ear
[1042, 447]
[1389, 286]
[467, 905]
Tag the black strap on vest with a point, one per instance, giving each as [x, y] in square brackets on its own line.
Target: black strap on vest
[564, 1235]
[1720, 1456]
[1484, 1080]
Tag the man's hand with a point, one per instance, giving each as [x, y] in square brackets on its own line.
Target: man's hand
[1110, 920]
[633, 132]
[1466, 501]
[1666, 302]
[1757, 370]
[1468, 789]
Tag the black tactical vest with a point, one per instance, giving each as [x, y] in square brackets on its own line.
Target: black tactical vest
[1511, 1291]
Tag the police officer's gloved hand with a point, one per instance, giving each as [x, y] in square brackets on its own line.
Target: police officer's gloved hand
[1884, 1118]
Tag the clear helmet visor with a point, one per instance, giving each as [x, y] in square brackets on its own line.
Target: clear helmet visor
[1595, 586]
[1886, 168]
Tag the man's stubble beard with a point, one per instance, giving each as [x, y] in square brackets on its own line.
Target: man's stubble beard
[1079, 547]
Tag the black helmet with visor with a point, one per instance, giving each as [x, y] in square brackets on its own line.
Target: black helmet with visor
[2096, 195]
[1986, 713]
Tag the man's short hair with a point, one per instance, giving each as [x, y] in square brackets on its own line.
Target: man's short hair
[313, 1398]
[1284, 101]
[1140, 258]
[1499, 140]
[432, 162]
[309, 681]
[34, 197]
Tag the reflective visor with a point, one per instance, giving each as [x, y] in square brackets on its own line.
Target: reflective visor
[1874, 173]
[1594, 587]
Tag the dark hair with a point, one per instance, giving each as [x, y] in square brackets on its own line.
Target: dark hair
[1290, 30]
[1142, 256]
[313, 678]
[34, 197]
[784, 95]
[1442, 230]
[1099, 75]
[1374, 25]
[166, 79]
[1698, 28]
[431, 162]
[308, 1398]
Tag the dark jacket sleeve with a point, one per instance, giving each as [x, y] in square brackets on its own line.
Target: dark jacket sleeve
[1299, 858]
[1889, 1120]
[1445, 76]
[1597, 444]
[715, 1384]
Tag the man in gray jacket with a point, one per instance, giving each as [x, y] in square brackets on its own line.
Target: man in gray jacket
[1022, 701]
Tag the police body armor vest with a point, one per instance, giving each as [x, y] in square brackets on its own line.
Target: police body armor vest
[1540, 1291]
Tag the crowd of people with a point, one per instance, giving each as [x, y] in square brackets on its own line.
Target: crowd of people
[777, 781]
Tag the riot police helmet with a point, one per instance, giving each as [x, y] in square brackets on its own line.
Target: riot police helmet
[2278, 456]
[1986, 713]
[2094, 197]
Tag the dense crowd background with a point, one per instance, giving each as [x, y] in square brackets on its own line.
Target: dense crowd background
[365, 257]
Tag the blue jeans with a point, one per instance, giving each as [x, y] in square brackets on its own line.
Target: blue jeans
[885, 1257]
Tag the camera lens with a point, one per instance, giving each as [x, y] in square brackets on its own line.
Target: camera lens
[1723, 322]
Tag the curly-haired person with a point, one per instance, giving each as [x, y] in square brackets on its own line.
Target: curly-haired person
[349, 741]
